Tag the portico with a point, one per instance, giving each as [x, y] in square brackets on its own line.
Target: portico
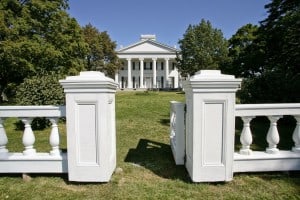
[147, 64]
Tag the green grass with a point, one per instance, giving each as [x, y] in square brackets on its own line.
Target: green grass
[144, 154]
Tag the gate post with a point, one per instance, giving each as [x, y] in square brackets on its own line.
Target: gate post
[210, 125]
[91, 132]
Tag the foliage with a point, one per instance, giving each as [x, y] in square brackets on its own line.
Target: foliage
[271, 60]
[240, 44]
[144, 154]
[202, 47]
[41, 90]
[101, 51]
[38, 36]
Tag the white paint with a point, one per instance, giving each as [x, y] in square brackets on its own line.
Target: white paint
[90, 108]
[210, 98]
[145, 52]
[177, 135]
[30, 161]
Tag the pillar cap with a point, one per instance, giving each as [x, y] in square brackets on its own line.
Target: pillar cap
[210, 74]
[212, 81]
[88, 81]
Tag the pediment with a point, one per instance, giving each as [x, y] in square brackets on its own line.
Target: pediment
[148, 47]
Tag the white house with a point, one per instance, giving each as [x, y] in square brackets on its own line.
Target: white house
[158, 65]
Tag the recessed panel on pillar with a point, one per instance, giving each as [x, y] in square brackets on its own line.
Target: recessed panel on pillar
[213, 134]
[87, 134]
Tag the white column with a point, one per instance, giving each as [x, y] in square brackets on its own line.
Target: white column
[129, 82]
[154, 72]
[167, 73]
[117, 77]
[141, 73]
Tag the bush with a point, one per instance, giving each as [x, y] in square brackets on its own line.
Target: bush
[41, 90]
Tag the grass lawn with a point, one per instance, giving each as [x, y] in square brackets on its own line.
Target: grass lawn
[144, 155]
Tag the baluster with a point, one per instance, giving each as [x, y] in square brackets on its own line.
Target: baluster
[54, 137]
[173, 125]
[246, 136]
[28, 137]
[296, 135]
[3, 138]
[273, 135]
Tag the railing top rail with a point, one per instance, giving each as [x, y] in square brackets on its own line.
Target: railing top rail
[267, 109]
[32, 111]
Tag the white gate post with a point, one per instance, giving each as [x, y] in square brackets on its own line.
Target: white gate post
[91, 133]
[210, 125]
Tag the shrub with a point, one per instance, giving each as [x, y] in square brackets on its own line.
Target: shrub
[41, 90]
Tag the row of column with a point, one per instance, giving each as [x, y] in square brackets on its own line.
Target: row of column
[142, 72]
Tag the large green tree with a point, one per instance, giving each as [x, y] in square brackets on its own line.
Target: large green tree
[101, 51]
[270, 61]
[36, 37]
[202, 47]
[241, 62]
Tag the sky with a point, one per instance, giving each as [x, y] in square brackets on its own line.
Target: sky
[126, 20]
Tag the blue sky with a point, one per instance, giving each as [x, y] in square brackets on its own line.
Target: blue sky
[126, 20]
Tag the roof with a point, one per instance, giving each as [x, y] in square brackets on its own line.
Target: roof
[148, 46]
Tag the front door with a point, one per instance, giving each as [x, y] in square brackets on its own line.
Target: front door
[148, 82]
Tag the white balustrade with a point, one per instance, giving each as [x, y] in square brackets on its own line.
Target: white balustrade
[177, 135]
[296, 135]
[54, 137]
[273, 135]
[273, 159]
[31, 161]
[3, 138]
[28, 137]
[246, 136]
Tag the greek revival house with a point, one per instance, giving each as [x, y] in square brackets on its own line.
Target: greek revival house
[147, 64]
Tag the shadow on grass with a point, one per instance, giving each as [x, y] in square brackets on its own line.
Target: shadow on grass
[165, 122]
[158, 158]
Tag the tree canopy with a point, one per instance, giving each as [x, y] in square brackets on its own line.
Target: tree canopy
[101, 54]
[39, 37]
[36, 37]
[270, 57]
[202, 47]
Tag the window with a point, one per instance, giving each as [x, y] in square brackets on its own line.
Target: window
[150, 65]
[133, 65]
[162, 65]
[122, 68]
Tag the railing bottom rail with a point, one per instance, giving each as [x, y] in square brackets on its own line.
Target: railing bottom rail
[260, 161]
[38, 163]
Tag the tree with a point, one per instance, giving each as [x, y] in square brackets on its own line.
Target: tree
[38, 36]
[241, 62]
[271, 60]
[202, 47]
[101, 51]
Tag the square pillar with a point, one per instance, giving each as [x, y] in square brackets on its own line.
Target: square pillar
[210, 125]
[91, 131]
